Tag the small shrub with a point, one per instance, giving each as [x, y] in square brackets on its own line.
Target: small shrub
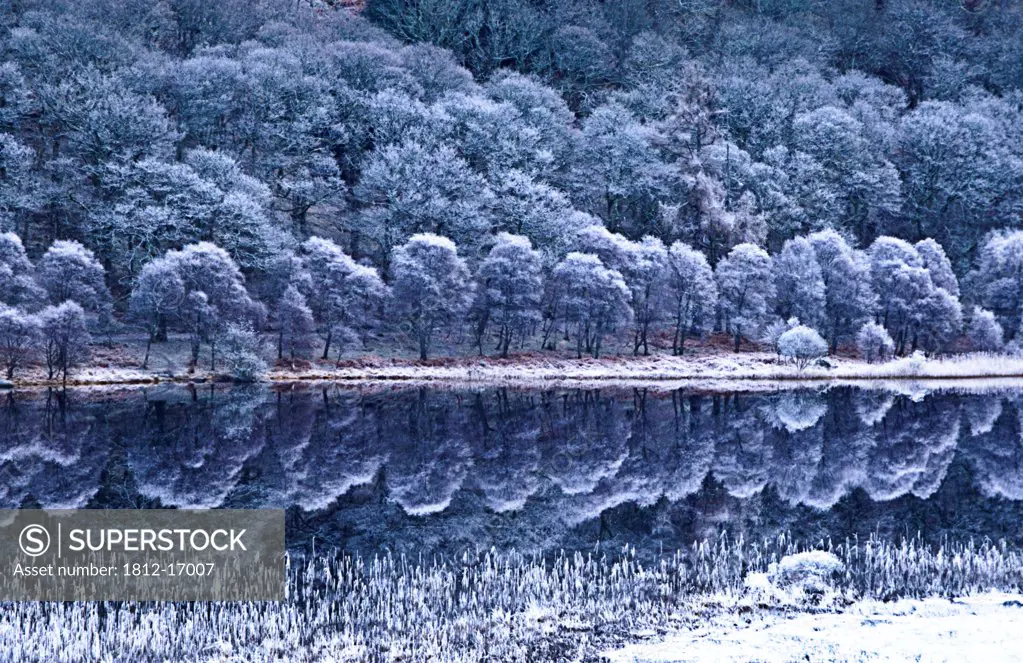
[775, 329]
[816, 567]
[802, 345]
[240, 351]
[873, 343]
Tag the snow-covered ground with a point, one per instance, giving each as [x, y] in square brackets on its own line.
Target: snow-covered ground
[984, 628]
[747, 366]
[755, 370]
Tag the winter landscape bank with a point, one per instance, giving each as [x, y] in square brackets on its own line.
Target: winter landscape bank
[750, 370]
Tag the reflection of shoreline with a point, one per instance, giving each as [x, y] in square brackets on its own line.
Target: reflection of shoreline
[733, 372]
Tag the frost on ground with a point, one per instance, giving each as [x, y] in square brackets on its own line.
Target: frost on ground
[985, 627]
[704, 371]
[720, 597]
[799, 611]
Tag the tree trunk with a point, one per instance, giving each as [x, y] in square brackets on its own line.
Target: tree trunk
[145, 360]
[161, 330]
[505, 343]
[678, 344]
[326, 345]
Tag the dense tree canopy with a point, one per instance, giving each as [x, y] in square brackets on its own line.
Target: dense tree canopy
[733, 165]
[135, 128]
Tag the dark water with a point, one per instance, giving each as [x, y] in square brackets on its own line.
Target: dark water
[438, 471]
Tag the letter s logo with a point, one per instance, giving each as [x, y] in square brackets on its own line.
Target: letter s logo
[34, 540]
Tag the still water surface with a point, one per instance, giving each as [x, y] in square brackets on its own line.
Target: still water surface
[437, 471]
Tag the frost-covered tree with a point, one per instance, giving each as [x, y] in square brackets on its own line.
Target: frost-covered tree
[958, 172]
[296, 327]
[938, 265]
[106, 122]
[983, 331]
[745, 290]
[18, 189]
[235, 211]
[549, 135]
[902, 284]
[212, 294]
[65, 339]
[849, 292]
[431, 286]
[69, 271]
[592, 300]
[19, 338]
[647, 274]
[775, 328]
[874, 343]
[643, 266]
[799, 283]
[539, 211]
[18, 285]
[158, 295]
[691, 293]
[215, 295]
[865, 184]
[619, 174]
[614, 249]
[912, 308]
[802, 345]
[508, 292]
[997, 281]
[409, 189]
[157, 206]
[346, 298]
[494, 137]
[941, 321]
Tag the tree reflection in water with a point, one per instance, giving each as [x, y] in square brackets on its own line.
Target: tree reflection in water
[431, 470]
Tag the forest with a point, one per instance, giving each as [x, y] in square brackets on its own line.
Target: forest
[495, 176]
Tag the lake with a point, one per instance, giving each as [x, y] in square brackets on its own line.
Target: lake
[436, 472]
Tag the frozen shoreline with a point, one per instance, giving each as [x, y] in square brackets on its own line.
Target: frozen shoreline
[748, 371]
[974, 628]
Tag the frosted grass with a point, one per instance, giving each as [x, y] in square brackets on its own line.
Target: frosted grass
[482, 606]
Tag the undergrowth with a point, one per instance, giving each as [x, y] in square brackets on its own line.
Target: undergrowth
[483, 606]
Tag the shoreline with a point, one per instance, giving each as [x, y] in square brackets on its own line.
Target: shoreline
[747, 371]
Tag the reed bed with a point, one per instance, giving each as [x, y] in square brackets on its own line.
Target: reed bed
[483, 606]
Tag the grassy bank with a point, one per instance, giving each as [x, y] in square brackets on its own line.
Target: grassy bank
[119, 363]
